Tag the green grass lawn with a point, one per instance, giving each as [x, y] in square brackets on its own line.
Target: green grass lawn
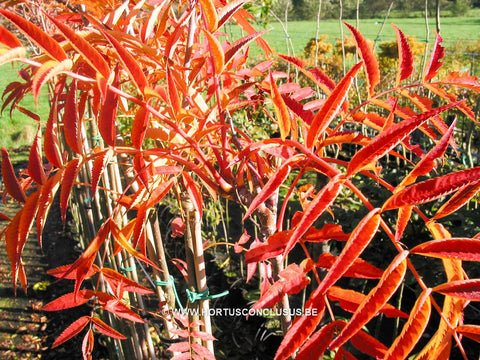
[19, 129]
[453, 29]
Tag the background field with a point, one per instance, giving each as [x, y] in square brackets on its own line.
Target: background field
[453, 29]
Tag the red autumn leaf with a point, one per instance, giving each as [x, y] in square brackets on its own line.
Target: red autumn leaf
[203, 351]
[375, 300]
[234, 48]
[317, 343]
[193, 192]
[388, 139]
[457, 200]
[8, 39]
[46, 72]
[350, 300]
[453, 248]
[139, 126]
[178, 227]
[27, 218]
[241, 17]
[181, 347]
[35, 165]
[413, 328]
[210, 14]
[275, 181]
[89, 53]
[317, 207]
[281, 111]
[68, 180]
[116, 307]
[403, 219]
[71, 121]
[51, 144]
[173, 96]
[433, 189]
[71, 331]
[106, 330]
[405, 56]
[122, 241]
[367, 344]
[48, 191]
[69, 300]
[369, 59]
[464, 289]
[292, 280]
[87, 345]
[358, 241]
[470, 331]
[37, 35]
[118, 281]
[228, 10]
[463, 80]
[4, 217]
[301, 329]
[11, 242]
[427, 163]
[358, 269]
[108, 114]
[434, 63]
[129, 62]
[330, 107]
[327, 232]
[98, 168]
[10, 180]
[63, 272]
[216, 50]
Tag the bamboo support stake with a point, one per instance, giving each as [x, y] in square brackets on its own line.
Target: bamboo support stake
[197, 276]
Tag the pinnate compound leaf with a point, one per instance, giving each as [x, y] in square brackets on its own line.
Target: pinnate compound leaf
[464, 289]
[10, 181]
[453, 248]
[375, 300]
[405, 56]
[434, 63]
[388, 139]
[330, 107]
[37, 35]
[106, 330]
[433, 189]
[413, 328]
[75, 328]
[369, 59]
[358, 241]
[317, 207]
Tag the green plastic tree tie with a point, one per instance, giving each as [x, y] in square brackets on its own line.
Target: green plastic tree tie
[171, 281]
[205, 295]
[129, 269]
